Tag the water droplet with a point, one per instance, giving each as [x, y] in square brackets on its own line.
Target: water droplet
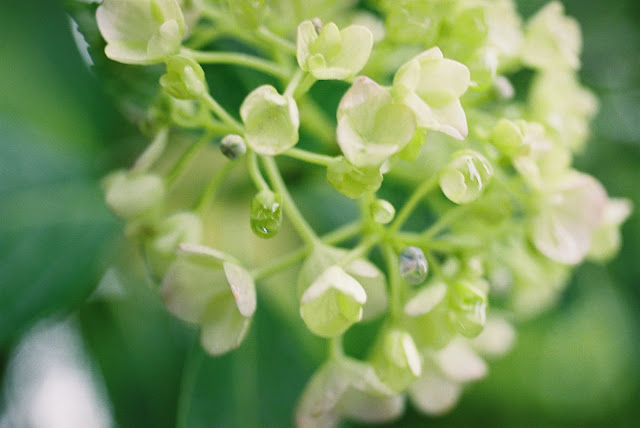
[413, 265]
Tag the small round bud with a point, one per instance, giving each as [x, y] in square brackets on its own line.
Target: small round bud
[382, 211]
[351, 181]
[233, 146]
[466, 176]
[468, 304]
[266, 214]
[184, 78]
[396, 359]
[413, 265]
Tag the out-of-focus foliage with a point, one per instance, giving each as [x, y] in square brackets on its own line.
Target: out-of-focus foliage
[60, 133]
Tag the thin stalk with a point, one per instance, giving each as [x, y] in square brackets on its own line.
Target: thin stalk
[294, 83]
[310, 157]
[210, 191]
[235, 58]
[187, 384]
[444, 221]
[254, 171]
[280, 43]
[186, 157]
[395, 283]
[420, 192]
[299, 223]
[219, 111]
[153, 152]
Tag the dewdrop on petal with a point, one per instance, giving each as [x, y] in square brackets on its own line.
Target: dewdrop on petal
[466, 177]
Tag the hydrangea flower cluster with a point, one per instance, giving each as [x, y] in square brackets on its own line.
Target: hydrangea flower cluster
[429, 106]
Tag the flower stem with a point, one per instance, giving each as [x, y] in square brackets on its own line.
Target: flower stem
[188, 154]
[254, 171]
[213, 105]
[153, 152]
[310, 157]
[294, 83]
[304, 230]
[409, 206]
[240, 59]
[187, 385]
[395, 284]
[280, 43]
[213, 186]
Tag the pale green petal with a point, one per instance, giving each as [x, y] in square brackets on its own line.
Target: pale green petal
[134, 195]
[128, 52]
[434, 394]
[374, 284]
[307, 35]
[332, 303]
[460, 363]
[166, 41]
[426, 299]
[451, 120]
[223, 327]
[242, 288]
[360, 406]
[188, 288]
[271, 121]
[357, 42]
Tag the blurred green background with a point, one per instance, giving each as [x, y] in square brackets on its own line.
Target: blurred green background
[60, 132]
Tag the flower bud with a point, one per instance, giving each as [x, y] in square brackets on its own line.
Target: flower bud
[266, 214]
[332, 303]
[141, 32]
[351, 181]
[413, 265]
[133, 196]
[464, 179]
[271, 121]
[333, 53]
[206, 287]
[233, 146]
[371, 126]
[184, 227]
[184, 78]
[468, 307]
[396, 359]
[382, 211]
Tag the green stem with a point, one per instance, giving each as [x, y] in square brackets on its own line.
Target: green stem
[304, 230]
[345, 232]
[186, 157]
[303, 87]
[216, 108]
[361, 250]
[409, 206]
[254, 171]
[280, 43]
[240, 59]
[434, 265]
[310, 157]
[444, 221]
[153, 152]
[294, 83]
[187, 385]
[395, 284]
[335, 347]
[210, 191]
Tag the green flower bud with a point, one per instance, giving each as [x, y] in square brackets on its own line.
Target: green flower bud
[248, 13]
[208, 288]
[134, 196]
[266, 214]
[396, 360]
[464, 179]
[351, 181]
[184, 78]
[371, 126]
[413, 265]
[432, 86]
[184, 227]
[507, 136]
[382, 211]
[346, 388]
[552, 40]
[271, 121]
[427, 316]
[141, 31]
[468, 305]
[332, 303]
[333, 54]
[233, 146]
